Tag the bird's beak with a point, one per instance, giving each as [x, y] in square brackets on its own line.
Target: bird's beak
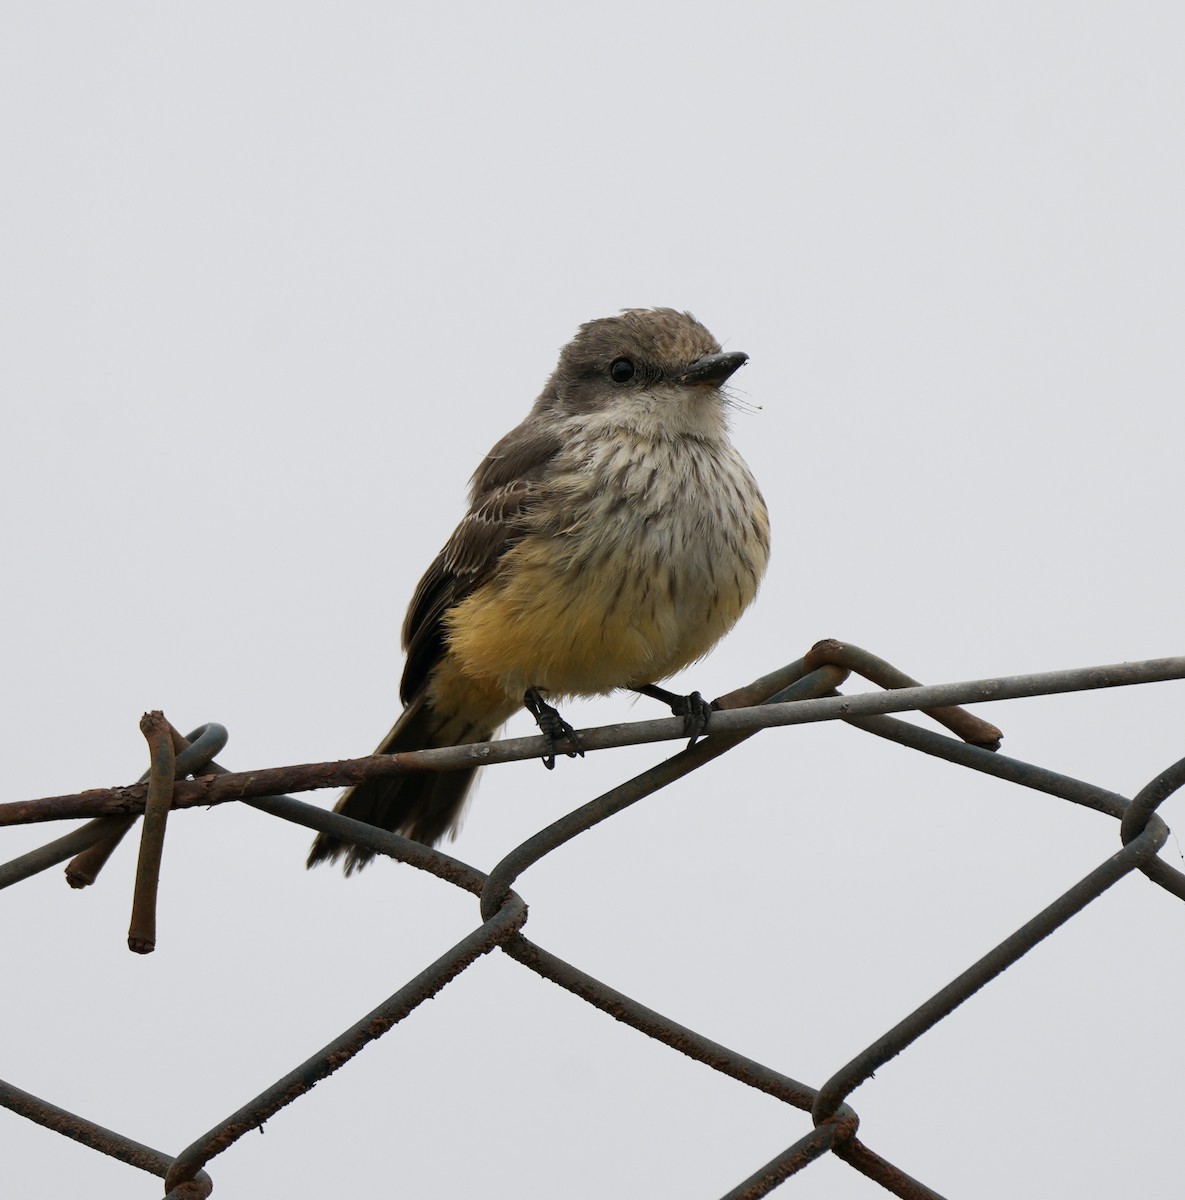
[712, 368]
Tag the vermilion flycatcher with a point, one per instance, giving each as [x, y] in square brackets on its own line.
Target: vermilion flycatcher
[612, 538]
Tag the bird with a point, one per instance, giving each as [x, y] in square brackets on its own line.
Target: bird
[612, 538]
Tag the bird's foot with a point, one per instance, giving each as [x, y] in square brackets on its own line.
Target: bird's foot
[552, 726]
[694, 709]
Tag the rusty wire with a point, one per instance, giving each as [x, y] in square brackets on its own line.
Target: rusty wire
[804, 691]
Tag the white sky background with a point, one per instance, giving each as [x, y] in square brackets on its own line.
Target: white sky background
[273, 278]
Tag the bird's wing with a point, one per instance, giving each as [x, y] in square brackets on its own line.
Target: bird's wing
[506, 487]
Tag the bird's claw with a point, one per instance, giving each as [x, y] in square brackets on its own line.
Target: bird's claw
[553, 727]
[694, 709]
[696, 713]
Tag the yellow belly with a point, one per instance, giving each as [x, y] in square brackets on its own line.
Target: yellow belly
[623, 596]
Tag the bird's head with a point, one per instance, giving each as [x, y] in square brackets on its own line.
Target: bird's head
[646, 367]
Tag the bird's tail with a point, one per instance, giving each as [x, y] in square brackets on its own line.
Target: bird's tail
[421, 805]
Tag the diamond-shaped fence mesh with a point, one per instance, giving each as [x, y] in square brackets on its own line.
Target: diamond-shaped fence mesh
[183, 774]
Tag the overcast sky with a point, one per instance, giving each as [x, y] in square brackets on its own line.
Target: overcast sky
[273, 278]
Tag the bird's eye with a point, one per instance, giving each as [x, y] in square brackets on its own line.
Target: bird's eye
[622, 370]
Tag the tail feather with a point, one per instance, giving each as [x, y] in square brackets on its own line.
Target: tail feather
[422, 805]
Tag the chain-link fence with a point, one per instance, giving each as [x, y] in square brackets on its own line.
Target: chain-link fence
[183, 774]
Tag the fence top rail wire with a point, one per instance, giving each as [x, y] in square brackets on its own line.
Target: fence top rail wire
[242, 785]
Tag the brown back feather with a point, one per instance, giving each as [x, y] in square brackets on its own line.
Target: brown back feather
[504, 489]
